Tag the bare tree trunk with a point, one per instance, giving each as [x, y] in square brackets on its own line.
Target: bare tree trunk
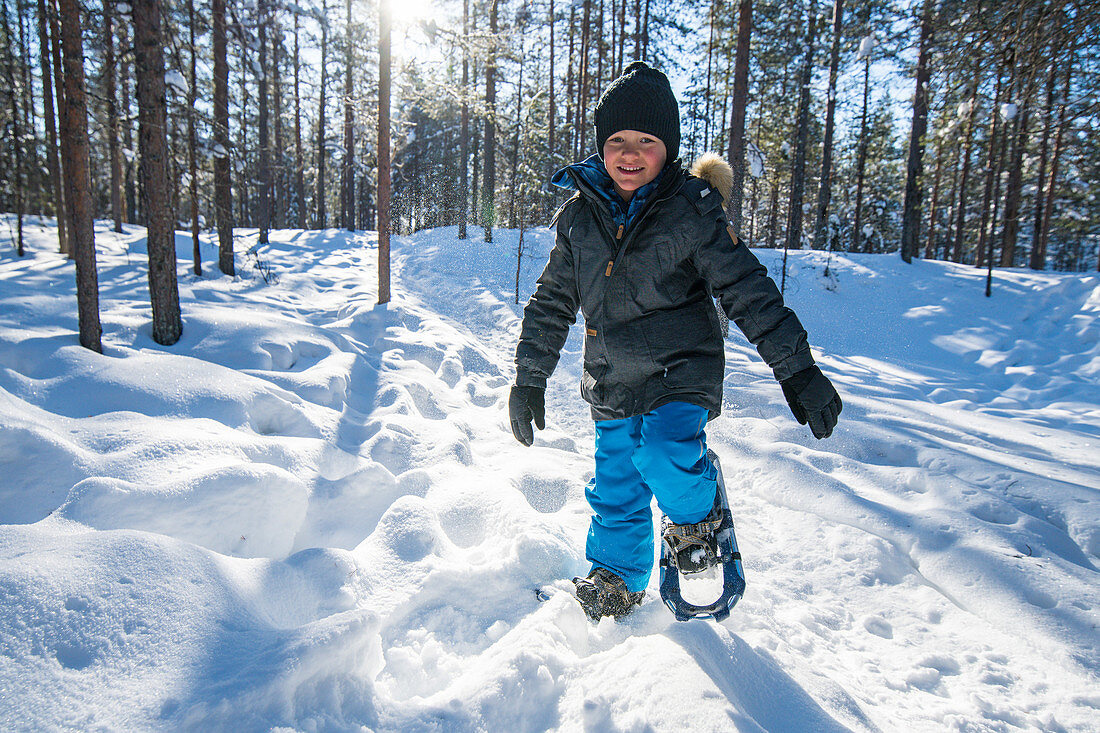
[737, 116]
[299, 164]
[1015, 184]
[514, 214]
[223, 192]
[63, 216]
[1037, 257]
[14, 127]
[264, 199]
[991, 169]
[960, 210]
[192, 157]
[798, 172]
[464, 135]
[78, 182]
[861, 159]
[320, 202]
[348, 187]
[112, 114]
[489, 187]
[130, 203]
[930, 242]
[710, 67]
[52, 163]
[384, 151]
[152, 116]
[910, 220]
[278, 164]
[824, 190]
[582, 82]
[550, 101]
[1056, 157]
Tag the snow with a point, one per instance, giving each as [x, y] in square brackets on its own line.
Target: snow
[1008, 110]
[175, 79]
[310, 513]
[866, 46]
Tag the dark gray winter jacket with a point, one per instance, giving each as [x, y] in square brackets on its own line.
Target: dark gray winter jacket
[644, 289]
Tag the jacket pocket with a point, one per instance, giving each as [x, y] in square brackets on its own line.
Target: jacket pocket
[684, 346]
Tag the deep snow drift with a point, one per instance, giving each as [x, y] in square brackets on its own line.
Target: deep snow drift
[310, 512]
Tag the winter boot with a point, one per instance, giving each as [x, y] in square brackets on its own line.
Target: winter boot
[603, 593]
[694, 547]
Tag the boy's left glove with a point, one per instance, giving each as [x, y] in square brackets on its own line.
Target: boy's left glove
[813, 399]
[526, 404]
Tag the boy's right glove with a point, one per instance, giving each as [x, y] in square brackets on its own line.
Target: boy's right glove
[813, 399]
[526, 404]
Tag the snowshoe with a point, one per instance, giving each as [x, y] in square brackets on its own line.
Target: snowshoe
[603, 593]
[692, 548]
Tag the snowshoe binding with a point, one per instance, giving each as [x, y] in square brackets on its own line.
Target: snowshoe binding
[692, 548]
[603, 593]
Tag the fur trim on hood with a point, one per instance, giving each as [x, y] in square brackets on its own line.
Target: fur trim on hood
[714, 169]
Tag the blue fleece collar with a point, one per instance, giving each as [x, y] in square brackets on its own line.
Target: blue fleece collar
[592, 172]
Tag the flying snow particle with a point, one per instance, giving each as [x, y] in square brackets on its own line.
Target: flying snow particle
[175, 79]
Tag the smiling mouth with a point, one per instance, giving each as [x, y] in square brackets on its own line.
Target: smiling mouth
[626, 169]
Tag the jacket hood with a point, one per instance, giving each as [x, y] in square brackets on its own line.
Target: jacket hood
[714, 169]
[590, 178]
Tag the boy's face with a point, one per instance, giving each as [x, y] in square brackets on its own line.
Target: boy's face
[633, 159]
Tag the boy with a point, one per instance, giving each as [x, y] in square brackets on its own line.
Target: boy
[641, 246]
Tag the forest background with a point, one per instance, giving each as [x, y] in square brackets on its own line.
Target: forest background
[937, 128]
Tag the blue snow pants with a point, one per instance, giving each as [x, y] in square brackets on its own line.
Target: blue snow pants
[660, 454]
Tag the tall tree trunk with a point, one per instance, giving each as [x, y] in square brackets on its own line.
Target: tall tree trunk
[348, 183]
[78, 181]
[861, 159]
[110, 72]
[14, 128]
[129, 185]
[737, 116]
[489, 186]
[278, 163]
[152, 117]
[960, 209]
[930, 242]
[583, 82]
[384, 151]
[263, 201]
[1056, 157]
[707, 94]
[192, 154]
[320, 202]
[550, 102]
[464, 135]
[52, 163]
[223, 192]
[824, 190]
[991, 169]
[299, 163]
[64, 217]
[1014, 186]
[514, 215]
[1037, 257]
[910, 219]
[798, 172]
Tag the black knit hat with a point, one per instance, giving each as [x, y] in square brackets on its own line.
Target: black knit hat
[641, 99]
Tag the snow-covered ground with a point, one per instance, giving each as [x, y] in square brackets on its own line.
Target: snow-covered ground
[310, 512]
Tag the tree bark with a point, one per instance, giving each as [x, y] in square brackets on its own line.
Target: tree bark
[263, 200]
[152, 117]
[1037, 256]
[737, 116]
[798, 172]
[14, 128]
[384, 151]
[930, 242]
[960, 209]
[348, 183]
[320, 202]
[489, 186]
[1056, 157]
[1014, 186]
[78, 182]
[63, 217]
[299, 164]
[910, 220]
[824, 191]
[991, 169]
[223, 192]
[112, 114]
[192, 144]
[464, 135]
[53, 165]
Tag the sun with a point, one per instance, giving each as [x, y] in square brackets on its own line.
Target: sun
[406, 13]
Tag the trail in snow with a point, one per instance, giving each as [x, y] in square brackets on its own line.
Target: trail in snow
[311, 512]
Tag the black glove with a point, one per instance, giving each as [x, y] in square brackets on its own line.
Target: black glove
[813, 399]
[526, 404]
